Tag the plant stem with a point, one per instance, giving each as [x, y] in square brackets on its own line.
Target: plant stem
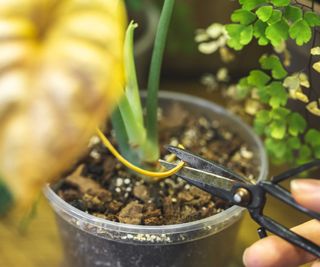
[121, 135]
[154, 79]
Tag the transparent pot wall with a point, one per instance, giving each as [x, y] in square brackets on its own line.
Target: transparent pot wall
[90, 241]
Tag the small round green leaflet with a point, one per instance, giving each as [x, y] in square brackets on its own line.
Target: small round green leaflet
[6, 198]
[300, 31]
[264, 13]
[280, 3]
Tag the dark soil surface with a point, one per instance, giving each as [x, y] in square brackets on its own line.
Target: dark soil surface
[100, 185]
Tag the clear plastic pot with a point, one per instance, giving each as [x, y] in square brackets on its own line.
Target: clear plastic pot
[90, 241]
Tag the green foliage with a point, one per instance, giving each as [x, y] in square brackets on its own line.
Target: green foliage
[243, 16]
[283, 129]
[235, 32]
[137, 138]
[266, 90]
[312, 18]
[278, 94]
[300, 31]
[264, 13]
[312, 138]
[297, 124]
[288, 138]
[277, 32]
[273, 63]
[280, 3]
[273, 21]
[293, 13]
[259, 32]
[251, 4]
[258, 78]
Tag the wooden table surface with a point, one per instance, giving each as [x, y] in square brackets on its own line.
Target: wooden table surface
[40, 245]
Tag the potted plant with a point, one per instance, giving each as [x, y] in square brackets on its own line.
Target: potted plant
[116, 218]
[280, 98]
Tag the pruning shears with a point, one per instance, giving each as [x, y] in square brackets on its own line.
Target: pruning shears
[237, 190]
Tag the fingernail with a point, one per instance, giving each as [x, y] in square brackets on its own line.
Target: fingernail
[308, 186]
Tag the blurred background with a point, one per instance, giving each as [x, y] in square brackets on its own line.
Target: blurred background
[39, 245]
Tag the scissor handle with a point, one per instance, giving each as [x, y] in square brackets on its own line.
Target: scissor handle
[280, 193]
[295, 171]
[285, 233]
[256, 212]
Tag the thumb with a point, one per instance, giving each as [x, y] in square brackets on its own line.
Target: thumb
[307, 193]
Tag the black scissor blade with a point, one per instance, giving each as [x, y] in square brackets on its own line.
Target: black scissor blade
[200, 163]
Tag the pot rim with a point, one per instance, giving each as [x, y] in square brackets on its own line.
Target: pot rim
[60, 205]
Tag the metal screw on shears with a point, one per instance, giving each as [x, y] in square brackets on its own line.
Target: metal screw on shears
[242, 196]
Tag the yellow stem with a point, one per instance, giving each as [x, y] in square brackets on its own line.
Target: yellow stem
[159, 175]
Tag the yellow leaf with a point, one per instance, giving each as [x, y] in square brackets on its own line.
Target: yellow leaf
[302, 97]
[316, 66]
[304, 80]
[313, 108]
[64, 75]
[315, 51]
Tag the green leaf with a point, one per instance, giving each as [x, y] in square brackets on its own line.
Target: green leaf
[278, 93]
[264, 13]
[293, 13]
[300, 31]
[312, 18]
[263, 41]
[278, 129]
[280, 113]
[274, 64]
[297, 124]
[243, 88]
[259, 127]
[275, 17]
[152, 150]
[234, 31]
[246, 35]
[276, 147]
[304, 154]
[280, 3]
[259, 30]
[243, 16]
[261, 120]
[278, 32]
[316, 151]
[121, 135]
[263, 116]
[251, 4]
[294, 142]
[258, 78]
[132, 88]
[313, 137]
[263, 94]
[135, 130]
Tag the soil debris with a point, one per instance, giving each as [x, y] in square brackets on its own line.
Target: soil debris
[101, 186]
[131, 213]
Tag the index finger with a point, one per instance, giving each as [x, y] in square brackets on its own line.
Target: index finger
[274, 251]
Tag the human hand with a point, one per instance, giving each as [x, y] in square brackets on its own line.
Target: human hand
[276, 252]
